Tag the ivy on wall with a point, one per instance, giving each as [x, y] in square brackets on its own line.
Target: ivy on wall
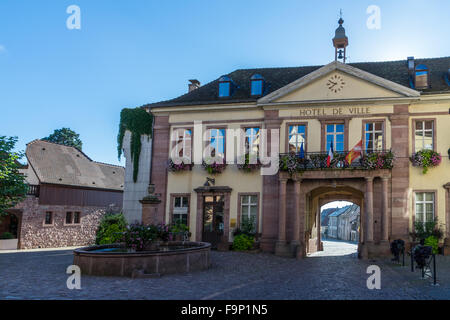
[138, 122]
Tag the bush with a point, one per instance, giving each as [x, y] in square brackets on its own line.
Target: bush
[7, 236]
[110, 229]
[433, 242]
[424, 230]
[242, 242]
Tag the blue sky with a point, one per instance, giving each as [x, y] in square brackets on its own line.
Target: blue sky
[129, 53]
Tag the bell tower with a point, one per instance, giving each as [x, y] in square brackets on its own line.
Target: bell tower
[340, 42]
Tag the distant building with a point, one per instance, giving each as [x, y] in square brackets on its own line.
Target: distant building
[324, 219]
[344, 223]
[68, 194]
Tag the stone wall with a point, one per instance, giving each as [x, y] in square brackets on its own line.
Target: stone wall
[34, 234]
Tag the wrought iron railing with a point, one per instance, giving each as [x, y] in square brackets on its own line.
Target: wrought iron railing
[381, 159]
[33, 190]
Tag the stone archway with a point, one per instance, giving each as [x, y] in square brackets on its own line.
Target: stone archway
[321, 196]
[285, 227]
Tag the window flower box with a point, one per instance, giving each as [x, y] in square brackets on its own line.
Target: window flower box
[426, 159]
[248, 165]
[378, 160]
[213, 167]
[183, 166]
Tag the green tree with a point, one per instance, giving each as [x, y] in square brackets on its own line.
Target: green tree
[13, 187]
[65, 136]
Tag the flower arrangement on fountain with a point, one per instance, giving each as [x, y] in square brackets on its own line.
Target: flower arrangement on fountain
[426, 159]
[249, 162]
[212, 166]
[378, 160]
[184, 165]
[140, 237]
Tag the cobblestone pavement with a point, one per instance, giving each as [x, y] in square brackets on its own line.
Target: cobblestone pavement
[335, 273]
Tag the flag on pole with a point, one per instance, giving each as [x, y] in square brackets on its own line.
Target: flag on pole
[330, 155]
[302, 152]
[354, 153]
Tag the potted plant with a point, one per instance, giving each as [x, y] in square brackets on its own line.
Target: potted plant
[426, 159]
[428, 233]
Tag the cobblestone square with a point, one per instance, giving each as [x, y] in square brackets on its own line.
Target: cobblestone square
[335, 273]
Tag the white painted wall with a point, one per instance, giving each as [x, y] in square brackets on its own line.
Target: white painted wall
[133, 192]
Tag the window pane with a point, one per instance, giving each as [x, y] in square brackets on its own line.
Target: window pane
[339, 147]
[177, 202]
[378, 126]
[254, 199]
[224, 89]
[330, 127]
[301, 129]
[369, 126]
[339, 128]
[253, 211]
[419, 125]
[185, 202]
[76, 217]
[68, 217]
[48, 218]
[428, 143]
[419, 196]
[339, 138]
[429, 125]
[257, 86]
[378, 143]
[419, 208]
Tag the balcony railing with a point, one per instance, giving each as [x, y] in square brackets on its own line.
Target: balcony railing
[293, 162]
[33, 190]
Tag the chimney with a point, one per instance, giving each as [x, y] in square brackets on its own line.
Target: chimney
[194, 84]
[411, 65]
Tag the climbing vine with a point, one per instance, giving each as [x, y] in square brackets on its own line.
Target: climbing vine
[138, 122]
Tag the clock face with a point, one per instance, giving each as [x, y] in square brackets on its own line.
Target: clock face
[336, 83]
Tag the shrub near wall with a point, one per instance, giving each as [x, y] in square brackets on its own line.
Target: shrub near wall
[111, 228]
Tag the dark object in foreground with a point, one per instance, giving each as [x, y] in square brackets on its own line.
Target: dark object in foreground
[397, 248]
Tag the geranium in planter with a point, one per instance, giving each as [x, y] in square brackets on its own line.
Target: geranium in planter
[426, 159]
[378, 160]
[249, 164]
[213, 167]
[183, 166]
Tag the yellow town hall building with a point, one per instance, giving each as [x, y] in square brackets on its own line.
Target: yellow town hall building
[399, 110]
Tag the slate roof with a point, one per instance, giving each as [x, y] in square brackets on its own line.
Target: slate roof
[276, 78]
[63, 165]
[324, 215]
[340, 211]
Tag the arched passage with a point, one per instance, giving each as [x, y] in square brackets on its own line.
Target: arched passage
[323, 195]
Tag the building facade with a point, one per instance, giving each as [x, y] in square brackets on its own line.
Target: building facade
[68, 194]
[397, 106]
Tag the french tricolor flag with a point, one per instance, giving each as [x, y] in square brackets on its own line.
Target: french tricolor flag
[330, 155]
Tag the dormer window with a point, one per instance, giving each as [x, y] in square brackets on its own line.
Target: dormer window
[257, 85]
[224, 87]
[421, 77]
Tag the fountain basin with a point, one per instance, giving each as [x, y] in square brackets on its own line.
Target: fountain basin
[114, 260]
